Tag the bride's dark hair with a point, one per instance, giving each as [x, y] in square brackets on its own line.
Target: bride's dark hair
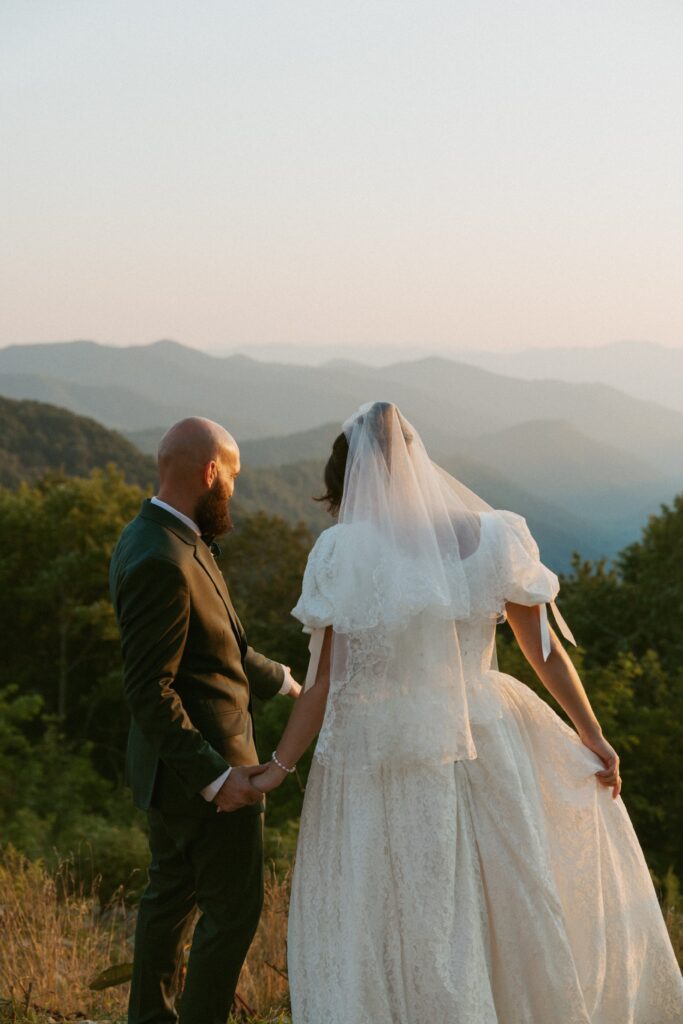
[381, 417]
[335, 470]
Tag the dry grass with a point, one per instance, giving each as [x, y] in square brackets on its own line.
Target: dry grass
[263, 982]
[55, 938]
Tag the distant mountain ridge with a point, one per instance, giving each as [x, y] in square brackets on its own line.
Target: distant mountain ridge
[643, 369]
[260, 400]
[300, 458]
[591, 460]
[40, 439]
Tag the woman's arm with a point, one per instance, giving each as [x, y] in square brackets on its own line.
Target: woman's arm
[304, 722]
[558, 675]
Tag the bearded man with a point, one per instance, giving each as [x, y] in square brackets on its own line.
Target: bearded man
[189, 676]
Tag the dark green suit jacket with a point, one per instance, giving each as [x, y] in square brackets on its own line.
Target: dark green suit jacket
[188, 672]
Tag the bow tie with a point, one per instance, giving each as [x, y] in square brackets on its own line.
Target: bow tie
[213, 547]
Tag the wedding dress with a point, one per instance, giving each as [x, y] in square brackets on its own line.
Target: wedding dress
[496, 882]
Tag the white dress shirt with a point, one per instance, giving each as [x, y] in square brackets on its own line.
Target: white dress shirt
[209, 792]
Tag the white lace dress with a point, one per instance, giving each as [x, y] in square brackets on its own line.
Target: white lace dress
[507, 889]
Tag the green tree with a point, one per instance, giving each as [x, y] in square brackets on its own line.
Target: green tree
[59, 638]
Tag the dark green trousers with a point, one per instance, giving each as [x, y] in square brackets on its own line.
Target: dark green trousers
[212, 863]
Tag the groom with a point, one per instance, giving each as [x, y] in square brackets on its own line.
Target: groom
[189, 675]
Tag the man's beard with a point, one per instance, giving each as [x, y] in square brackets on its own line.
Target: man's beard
[212, 514]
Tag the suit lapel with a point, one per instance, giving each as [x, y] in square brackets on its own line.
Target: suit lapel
[208, 564]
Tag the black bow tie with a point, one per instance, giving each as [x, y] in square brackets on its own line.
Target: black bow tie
[213, 547]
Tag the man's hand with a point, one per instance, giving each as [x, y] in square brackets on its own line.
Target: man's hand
[294, 689]
[237, 790]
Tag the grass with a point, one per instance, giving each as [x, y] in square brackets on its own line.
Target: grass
[56, 938]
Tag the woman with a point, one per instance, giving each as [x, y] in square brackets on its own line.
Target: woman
[464, 856]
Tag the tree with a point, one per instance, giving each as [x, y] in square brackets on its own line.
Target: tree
[60, 639]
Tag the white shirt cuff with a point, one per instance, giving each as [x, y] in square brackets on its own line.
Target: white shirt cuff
[210, 791]
[287, 681]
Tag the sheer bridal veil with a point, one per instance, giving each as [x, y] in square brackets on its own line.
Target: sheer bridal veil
[406, 562]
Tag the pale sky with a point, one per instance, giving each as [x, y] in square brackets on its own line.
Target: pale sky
[437, 174]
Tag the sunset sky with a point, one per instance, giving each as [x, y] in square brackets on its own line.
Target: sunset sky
[438, 175]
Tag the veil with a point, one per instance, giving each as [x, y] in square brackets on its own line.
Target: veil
[402, 567]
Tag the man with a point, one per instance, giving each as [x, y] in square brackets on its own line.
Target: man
[188, 678]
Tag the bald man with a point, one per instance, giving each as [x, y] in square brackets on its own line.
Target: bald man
[189, 675]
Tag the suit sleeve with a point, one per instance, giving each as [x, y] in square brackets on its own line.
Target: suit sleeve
[265, 676]
[153, 609]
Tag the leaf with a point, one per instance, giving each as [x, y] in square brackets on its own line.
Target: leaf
[117, 974]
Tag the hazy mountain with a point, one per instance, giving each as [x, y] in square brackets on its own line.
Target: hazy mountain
[39, 438]
[465, 401]
[640, 368]
[305, 445]
[597, 496]
[555, 461]
[36, 438]
[112, 405]
[317, 355]
[643, 369]
[287, 471]
[258, 400]
[594, 460]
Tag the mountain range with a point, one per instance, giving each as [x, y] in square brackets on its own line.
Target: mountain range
[643, 369]
[585, 462]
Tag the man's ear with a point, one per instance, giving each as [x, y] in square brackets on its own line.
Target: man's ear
[210, 472]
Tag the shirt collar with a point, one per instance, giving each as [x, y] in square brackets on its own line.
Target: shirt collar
[179, 515]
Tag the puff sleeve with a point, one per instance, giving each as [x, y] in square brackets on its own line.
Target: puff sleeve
[315, 605]
[527, 580]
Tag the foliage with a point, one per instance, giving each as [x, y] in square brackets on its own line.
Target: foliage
[59, 638]
[37, 438]
[634, 605]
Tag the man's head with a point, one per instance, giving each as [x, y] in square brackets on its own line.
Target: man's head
[198, 463]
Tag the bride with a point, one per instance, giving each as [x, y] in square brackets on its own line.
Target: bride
[465, 857]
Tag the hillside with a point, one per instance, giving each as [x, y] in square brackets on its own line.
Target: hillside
[36, 438]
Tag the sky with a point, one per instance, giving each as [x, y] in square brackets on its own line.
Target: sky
[433, 175]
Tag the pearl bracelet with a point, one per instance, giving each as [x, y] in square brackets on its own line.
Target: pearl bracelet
[279, 763]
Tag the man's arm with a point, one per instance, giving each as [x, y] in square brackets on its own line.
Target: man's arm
[153, 609]
[266, 677]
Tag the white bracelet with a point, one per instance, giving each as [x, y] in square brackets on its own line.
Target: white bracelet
[279, 763]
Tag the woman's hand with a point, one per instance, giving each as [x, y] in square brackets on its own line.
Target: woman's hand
[270, 779]
[607, 776]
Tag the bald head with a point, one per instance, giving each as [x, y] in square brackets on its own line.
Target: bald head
[191, 444]
[198, 464]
